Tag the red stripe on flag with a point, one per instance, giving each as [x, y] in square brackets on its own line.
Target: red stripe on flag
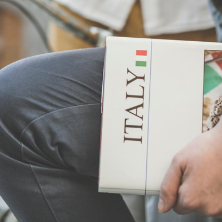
[216, 55]
[141, 52]
[219, 63]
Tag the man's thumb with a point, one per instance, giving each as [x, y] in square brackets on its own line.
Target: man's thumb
[170, 185]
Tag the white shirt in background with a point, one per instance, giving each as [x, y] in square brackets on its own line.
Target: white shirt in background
[159, 16]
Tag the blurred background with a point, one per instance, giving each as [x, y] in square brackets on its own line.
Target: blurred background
[32, 27]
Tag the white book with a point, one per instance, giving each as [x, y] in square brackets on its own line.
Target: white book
[152, 106]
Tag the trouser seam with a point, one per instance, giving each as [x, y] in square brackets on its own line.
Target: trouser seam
[43, 194]
[30, 164]
[53, 112]
[20, 137]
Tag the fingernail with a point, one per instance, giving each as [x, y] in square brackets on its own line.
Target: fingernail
[161, 206]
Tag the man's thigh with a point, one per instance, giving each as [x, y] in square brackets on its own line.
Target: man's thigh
[49, 139]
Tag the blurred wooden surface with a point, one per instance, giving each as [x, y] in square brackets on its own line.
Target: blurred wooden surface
[10, 37]
[62, 40]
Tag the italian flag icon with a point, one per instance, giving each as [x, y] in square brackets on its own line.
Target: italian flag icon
[213, 72]
[141, 58]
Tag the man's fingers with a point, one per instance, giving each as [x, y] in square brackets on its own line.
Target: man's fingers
[170, 185]
[179, 209]
[185, 204]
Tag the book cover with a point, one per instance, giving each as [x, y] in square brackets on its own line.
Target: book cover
[152, 106]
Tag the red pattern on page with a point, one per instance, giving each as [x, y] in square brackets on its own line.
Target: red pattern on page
[216, 55]
[219, 63]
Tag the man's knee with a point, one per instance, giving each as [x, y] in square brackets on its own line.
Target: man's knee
[13, 96]
[33, 87]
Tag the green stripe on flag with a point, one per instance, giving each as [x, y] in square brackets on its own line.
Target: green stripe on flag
[211, 79]
[141, 63]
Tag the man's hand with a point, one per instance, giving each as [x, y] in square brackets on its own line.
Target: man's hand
[193, 182]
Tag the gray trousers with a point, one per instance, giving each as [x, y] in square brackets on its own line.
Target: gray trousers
[49, 139]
